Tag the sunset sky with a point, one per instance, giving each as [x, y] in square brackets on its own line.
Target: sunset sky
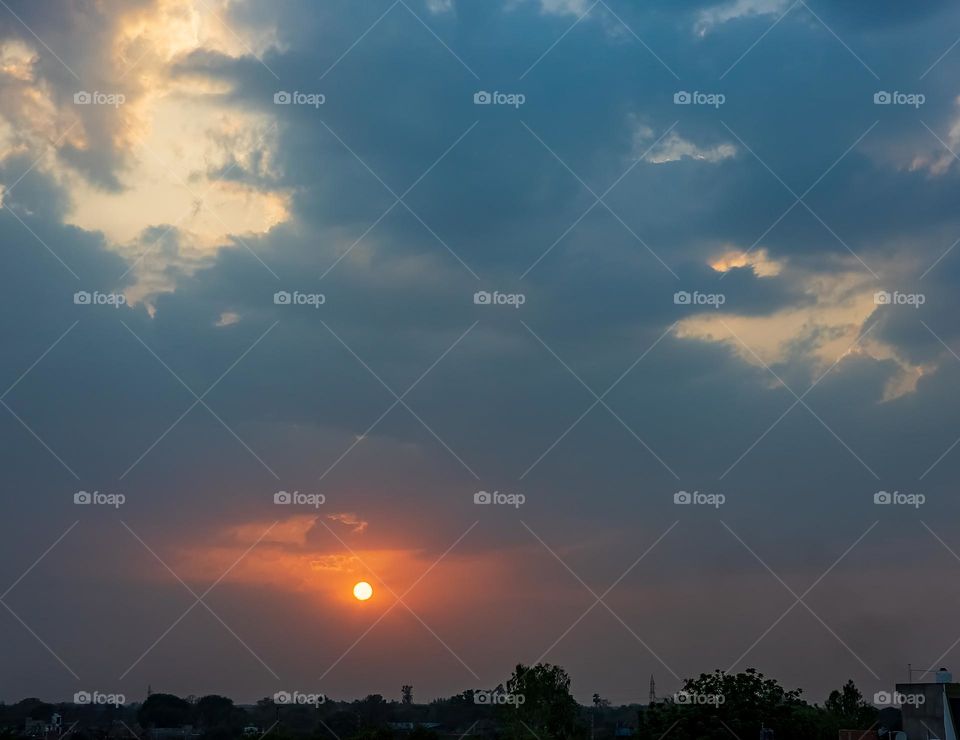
[188, 165]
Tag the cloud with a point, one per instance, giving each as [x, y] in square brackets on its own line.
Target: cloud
[168, 151]
[564, 7]
[292, 531]
[732, 10]
[440, 6]
[227, 318]
[357, 525]
[675, 148]
[221, 198]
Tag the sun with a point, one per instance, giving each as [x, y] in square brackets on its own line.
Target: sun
[363, 591]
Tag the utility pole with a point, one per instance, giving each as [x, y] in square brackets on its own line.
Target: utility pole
[653, 691]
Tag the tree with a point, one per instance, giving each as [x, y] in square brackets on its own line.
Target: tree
[164, 710]
[214, 710]
[372, 710]
[406, 694]
[848, 709]
[41, 709]
[540, 703]
[719, 703]
[374, 733]
[340, 724]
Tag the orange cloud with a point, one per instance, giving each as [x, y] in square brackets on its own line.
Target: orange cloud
[292, 531]
[351, 520]
[298, 555]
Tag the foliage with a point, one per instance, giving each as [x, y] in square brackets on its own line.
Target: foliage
[164, 710]
[849, 706]
[710, 707]
[718, 705]
[547, 709]
[214, 710]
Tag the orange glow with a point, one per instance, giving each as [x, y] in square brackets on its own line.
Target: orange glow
[299, 556]
[759, 260]
[363, 591]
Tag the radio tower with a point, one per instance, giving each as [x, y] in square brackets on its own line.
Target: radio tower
[653, 691]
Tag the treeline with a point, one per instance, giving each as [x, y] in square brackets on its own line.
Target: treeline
[535, 703]
[750, 705]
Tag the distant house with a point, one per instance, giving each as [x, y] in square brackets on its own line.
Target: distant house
[411, 726]
[173, 733]
[44, 728]
[36, 727]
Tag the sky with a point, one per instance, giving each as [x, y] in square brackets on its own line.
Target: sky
[609, 334]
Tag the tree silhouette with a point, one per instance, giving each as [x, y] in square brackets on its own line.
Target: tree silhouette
[547, 708]
[164, 710]
[719, 703]
[847, 709]
[214, 710]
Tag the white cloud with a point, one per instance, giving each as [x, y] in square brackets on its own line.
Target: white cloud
[938, 160]
[734, 9]
[440, 6]
[674, 147]
[564, 7]
[161, 157]
[227, 318]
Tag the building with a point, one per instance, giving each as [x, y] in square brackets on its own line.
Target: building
[411, 726]
[930, 711]
[43, 728]
[173, 733]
